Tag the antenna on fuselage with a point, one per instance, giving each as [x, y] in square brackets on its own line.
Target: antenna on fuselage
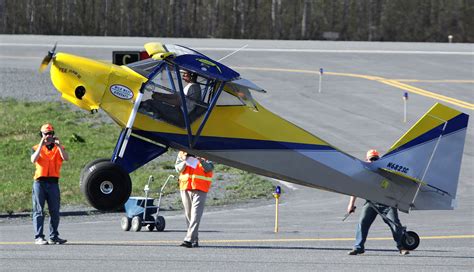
[219, 60]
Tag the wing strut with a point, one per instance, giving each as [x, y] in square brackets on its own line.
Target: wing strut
[208, 113]
[192, 140]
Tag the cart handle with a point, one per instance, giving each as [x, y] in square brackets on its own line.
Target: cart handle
[161, 194]
[147, 186]
[166, 182]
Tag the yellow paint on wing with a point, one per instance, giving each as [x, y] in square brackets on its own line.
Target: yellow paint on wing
[153, 48]
[238, 122]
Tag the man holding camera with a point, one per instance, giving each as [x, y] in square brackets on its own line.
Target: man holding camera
[48, 157]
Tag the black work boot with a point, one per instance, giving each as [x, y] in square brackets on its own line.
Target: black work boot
[356, 251]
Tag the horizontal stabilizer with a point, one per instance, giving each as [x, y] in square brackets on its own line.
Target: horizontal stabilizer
[397, 176]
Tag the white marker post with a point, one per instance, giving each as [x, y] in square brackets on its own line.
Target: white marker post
[450, 38]
[320, 79]
[405, 101]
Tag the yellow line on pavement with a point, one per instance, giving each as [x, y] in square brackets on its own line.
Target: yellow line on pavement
[283, 240]
[391, 82]
[327, 239]
[436, 80]
[419, 91]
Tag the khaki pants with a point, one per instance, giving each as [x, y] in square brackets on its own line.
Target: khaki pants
[193, 203]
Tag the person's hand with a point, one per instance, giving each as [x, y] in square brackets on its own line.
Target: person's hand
[350, 208]
[43, 140]
[56, 141]
[182, 155]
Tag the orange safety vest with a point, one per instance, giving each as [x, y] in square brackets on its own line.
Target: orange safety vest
[195, 179]
[48, 163]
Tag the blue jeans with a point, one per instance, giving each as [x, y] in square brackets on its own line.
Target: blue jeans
[368, 216]
[46, 191]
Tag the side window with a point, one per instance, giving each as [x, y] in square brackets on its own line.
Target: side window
[166, 81]
[161, 99]
[229, 97]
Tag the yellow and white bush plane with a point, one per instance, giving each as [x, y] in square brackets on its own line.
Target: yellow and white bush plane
[226, 125]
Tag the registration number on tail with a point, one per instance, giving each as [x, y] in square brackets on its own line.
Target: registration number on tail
[397, 167]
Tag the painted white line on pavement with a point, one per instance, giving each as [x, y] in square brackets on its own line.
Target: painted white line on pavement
[276, 50]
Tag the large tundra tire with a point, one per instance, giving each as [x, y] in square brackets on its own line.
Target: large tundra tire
[106, 186]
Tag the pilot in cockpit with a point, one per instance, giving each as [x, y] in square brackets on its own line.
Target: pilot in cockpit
[167, 105]
[191, 90]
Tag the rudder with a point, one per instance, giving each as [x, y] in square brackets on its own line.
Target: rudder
[431, 152]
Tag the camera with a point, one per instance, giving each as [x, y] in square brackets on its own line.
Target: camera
[50, 139]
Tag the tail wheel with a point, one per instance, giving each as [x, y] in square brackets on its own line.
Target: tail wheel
[106, 186]
[410, 240]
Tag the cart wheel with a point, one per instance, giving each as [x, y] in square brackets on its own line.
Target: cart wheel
[106, 185]
[410, 240]
[125, 223]
[136, 223]
[150, 227]
[160, 223]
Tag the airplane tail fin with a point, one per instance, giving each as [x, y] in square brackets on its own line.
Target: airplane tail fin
[430, 154]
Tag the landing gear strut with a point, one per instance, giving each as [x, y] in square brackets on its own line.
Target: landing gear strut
[410, 240]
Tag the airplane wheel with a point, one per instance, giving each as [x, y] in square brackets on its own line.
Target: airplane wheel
[88, 165]
[410, 240]
[106, 186]
[160, 223]
[136, 223]
[125, 223]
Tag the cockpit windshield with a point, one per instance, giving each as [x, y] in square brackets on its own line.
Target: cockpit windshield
[162, 96]
[181, 50]
[182, 87]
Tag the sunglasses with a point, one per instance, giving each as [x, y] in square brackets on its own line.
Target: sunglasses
[373, 158]
[51, 133]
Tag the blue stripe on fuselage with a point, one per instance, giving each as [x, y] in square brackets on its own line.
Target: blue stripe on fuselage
[221, 143]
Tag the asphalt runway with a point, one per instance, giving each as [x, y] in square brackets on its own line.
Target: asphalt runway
[360, 107]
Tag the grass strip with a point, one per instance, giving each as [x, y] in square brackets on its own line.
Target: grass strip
[88, 137]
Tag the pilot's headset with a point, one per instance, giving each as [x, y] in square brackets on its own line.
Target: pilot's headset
[192, 76]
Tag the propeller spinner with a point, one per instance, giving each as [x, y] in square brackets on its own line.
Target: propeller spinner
[47, 59]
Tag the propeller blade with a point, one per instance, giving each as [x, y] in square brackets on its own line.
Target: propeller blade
[47, 59]
[45, 63]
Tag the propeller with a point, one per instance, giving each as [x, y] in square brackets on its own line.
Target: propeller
[47, 59]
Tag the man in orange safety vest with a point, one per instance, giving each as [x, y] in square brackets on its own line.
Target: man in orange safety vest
[195, 178]
[48, 157]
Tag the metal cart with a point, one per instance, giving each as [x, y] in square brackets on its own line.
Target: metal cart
[141, 211]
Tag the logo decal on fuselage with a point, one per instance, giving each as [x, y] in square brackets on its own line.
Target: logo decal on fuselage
[121, 92]
[206, 64]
